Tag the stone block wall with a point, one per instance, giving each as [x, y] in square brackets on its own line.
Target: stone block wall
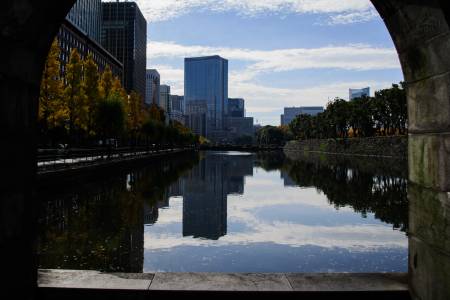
[396, 146]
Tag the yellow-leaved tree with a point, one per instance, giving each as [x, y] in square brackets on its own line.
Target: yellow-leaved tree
[106, 83]
[52, 111]
[91, 86]
[74, 95]
[135, 112]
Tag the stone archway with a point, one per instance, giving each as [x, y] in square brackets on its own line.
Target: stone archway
[422, 37]
[27, 28]
[421, 33]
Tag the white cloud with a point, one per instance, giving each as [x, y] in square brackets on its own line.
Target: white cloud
[348, 57]
[162, 10]
[352, 17]
[355, 236]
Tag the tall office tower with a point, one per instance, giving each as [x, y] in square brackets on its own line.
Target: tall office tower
[87, 16]
[124, 34]
[81, 30]
[206, 95]
[152, 80]
[358, 93]
[236, 107]
[164, 97]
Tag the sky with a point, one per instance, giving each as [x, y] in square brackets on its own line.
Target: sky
[281, 52]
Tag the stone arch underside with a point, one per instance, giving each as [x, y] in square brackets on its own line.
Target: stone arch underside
[420, 31]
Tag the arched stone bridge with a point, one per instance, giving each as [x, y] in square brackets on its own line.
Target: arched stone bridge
[421, 33]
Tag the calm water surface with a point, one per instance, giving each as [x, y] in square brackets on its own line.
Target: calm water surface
[230, 212]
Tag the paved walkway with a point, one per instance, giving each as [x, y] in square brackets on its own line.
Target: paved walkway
[383, 286]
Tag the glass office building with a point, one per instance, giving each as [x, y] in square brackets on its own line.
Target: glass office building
[124, 35]
[206, 94]
[290, 113]
[358, 93]
[87, 16]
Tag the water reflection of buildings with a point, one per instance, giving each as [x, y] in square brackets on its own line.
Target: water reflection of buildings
[204, 190]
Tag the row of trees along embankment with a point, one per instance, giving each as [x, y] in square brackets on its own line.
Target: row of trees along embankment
[385, 114]
[88, 107]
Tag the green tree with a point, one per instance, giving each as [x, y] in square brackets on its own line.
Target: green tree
[271, 135]
[110, 117]
[338, 116]
[391, 110]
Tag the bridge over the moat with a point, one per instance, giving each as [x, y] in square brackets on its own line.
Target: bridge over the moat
[421, 33]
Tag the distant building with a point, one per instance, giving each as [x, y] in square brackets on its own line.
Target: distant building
[177, 103]
[290, 113]
[236, 107]
[152, 87]
[176, 108]
[238, 127]
[124, 34]
[358, 93]
[164, 97]
[206, 95]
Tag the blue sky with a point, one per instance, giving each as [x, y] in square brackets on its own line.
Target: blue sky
[281, 52]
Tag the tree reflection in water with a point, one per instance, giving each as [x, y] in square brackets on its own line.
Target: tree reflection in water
[99, 224]
[368, 185]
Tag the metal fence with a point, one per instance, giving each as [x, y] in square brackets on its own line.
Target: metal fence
[56, 159]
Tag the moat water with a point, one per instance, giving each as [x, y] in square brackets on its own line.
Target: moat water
[230, 212]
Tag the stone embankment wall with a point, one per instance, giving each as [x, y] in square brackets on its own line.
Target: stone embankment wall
[396, 146]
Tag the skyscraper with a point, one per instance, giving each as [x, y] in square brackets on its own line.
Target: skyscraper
[358, 93]
[206, 95]
[152, 80]
[87, 16]
[124, 34]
